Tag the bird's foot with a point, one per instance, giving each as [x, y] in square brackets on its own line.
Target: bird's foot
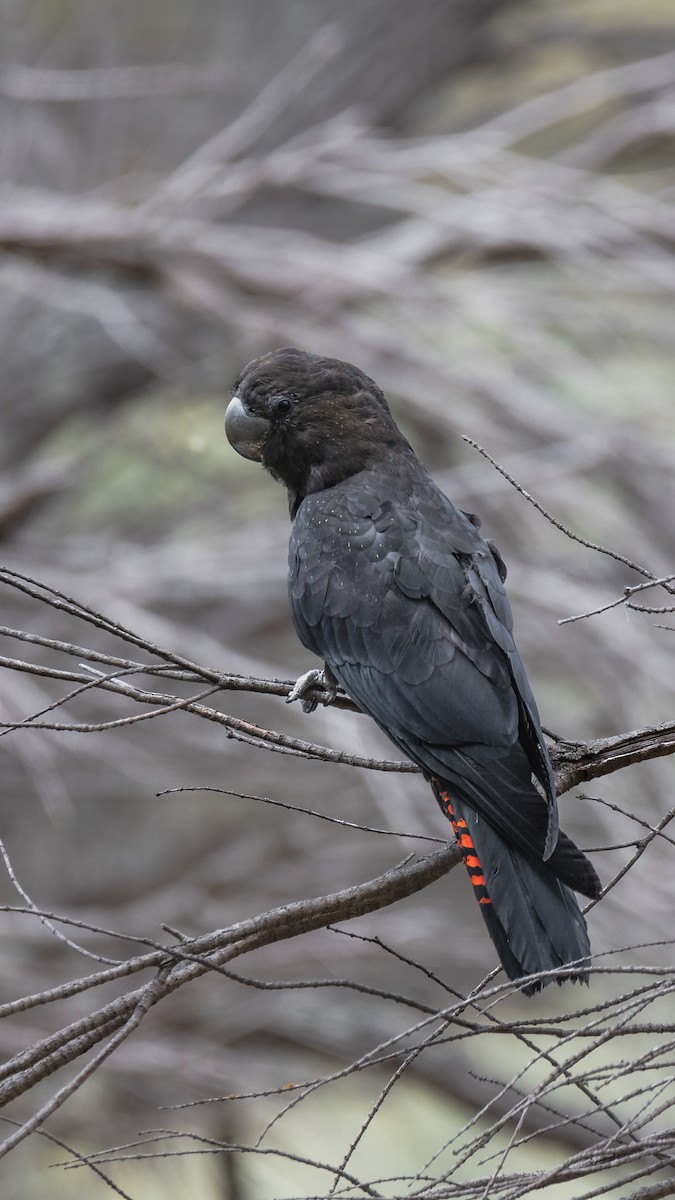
[315, 678]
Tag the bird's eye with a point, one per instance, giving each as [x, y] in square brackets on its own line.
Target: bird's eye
[282, 404]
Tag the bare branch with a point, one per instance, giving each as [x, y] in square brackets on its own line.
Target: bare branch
[43, 84]
[574, 762]
[575, 537]
[628, 591]
[578, 762]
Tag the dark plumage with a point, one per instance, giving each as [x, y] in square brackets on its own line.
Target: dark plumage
[394, 588]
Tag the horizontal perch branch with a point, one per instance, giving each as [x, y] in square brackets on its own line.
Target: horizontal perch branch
[574, 762]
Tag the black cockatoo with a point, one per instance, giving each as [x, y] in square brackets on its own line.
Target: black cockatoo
[395, 589]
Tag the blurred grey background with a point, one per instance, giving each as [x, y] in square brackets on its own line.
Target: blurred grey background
[472, 201]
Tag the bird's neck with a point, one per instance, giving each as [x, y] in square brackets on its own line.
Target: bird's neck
[340, 468]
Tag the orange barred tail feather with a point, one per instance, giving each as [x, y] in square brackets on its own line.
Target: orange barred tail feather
[533, 918]
[466, 845]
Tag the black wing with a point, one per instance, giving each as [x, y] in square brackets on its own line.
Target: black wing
[396, 590]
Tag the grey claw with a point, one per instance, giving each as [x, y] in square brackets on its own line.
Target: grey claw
[313, 678]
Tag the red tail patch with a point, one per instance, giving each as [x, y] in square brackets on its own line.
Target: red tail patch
[465, 843]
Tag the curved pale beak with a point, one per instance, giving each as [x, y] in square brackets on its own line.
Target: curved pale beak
[245, 432]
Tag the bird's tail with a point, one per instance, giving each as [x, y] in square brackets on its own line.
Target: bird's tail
[533, 918]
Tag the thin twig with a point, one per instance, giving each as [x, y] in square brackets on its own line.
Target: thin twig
[575, 537]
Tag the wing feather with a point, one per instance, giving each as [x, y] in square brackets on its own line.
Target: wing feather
[395, 588]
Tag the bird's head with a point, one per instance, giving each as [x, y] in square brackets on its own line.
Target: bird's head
[310, 421]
